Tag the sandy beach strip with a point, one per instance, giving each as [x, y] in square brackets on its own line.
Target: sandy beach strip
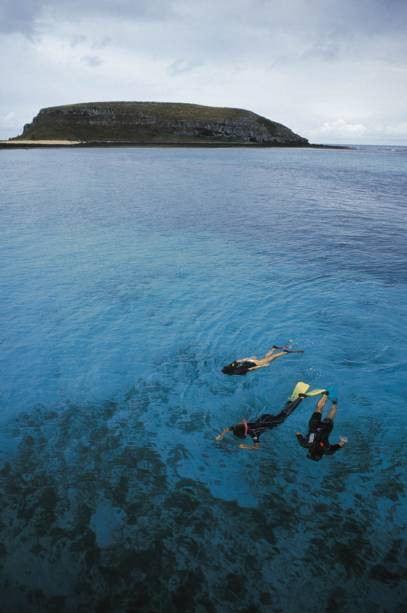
[13, 143]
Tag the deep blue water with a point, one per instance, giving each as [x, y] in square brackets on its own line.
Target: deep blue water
[128, 278]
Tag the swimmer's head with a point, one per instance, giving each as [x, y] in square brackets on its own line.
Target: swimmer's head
[235, 368]
[239, 430]
[230, 368]
[315, 455]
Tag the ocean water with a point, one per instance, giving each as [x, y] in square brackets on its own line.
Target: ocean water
[128, 278]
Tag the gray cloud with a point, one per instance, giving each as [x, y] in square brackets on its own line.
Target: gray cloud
[25, 16]
[78, 39]
[328, 52]
[286, 32]
[91, 60]
[19, 17]
[335, 19]
[180, 67]
[102, 43]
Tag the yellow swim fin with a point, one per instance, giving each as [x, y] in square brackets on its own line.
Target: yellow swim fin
[300, 388]
[315, 392]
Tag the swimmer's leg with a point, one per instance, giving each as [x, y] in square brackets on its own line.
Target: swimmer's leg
[319, 407]
[271, 421]
[271, 356]
[332, 411]
[275, 348]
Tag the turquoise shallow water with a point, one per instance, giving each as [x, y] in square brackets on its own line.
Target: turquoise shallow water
[128, 278]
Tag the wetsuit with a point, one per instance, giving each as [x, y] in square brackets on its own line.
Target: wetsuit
[238, 367]
[267, 421]
[246, 364]
[317, 439]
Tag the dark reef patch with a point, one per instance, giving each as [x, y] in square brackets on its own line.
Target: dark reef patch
[95, 516]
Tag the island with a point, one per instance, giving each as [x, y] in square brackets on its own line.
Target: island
[152, 124]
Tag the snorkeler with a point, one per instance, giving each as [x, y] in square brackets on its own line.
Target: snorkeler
[317, 439]
[267, 422]
[244, 365]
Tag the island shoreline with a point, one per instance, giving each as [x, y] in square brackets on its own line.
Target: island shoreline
[14, 144]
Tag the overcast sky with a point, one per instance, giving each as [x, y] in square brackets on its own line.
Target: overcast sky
[331, 70]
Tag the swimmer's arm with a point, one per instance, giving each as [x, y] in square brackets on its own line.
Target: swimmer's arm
[334, 448]
[302, 441]
[250, 447]
[255, 445]
[222, 434]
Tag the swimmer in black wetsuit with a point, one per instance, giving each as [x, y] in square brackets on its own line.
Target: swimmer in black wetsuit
[265, 422]
[244, 365]
[317, 439]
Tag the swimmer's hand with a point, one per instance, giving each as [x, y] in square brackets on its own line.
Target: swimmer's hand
[342, 441]
[222, 434]
[249, 447]
[298, 434]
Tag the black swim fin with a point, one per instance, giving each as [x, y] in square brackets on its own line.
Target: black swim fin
[286, 349]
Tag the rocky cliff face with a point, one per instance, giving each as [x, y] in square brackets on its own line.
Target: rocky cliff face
[155, 123]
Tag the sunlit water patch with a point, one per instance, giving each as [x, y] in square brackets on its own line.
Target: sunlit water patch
[128, 278]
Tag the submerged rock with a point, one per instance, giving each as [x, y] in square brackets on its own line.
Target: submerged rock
[146, 123]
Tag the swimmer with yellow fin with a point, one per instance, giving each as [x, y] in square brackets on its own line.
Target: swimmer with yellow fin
[254, 429]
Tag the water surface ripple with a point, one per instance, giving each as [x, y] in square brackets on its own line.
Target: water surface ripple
[128, 278]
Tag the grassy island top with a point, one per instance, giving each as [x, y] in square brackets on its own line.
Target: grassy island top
[176, 110]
